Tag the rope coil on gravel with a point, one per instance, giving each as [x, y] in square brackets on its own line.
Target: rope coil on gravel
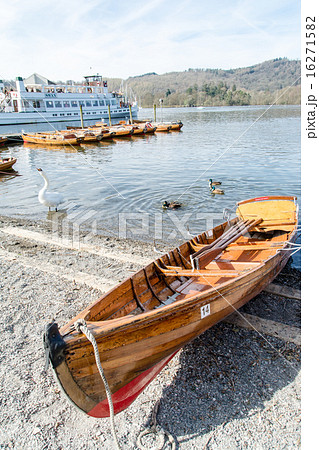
[80, 325]
[156, 430]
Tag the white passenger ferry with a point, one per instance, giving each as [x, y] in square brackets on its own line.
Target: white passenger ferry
[36, 103]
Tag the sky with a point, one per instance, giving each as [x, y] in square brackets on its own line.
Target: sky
[68, 39]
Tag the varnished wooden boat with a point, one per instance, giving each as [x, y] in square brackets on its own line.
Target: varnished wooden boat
[121, 131]
[174, 126]
[149, 128]
[3, 140]
[140, 324]
[160, 126]
[53, 138]
[86, 135]
[138, 129]
[115, 130]
[109, 131]
[7, 163]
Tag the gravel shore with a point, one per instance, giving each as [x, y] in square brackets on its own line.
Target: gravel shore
[230, 388]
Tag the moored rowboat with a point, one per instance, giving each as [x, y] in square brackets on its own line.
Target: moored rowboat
[160, 126]
[141, 323]
[7, 163]
[85, 135]
[163, 126]
[120, 130]
[175, 126]
[52, 138]
[3, 140]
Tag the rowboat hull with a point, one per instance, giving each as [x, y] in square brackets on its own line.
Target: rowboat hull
[163, 126]
[135, 344]
[121, 131]
[50, 139]
[176, 126]
[85, 135]
[3, 140]
[7, 164]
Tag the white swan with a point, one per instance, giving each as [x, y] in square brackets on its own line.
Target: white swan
[50, 199]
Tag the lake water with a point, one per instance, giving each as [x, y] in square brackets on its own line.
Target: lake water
[118, 187]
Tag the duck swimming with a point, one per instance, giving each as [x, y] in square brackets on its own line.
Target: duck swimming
[216, 191]
[213, 183]
[50, 199]
[172, 205]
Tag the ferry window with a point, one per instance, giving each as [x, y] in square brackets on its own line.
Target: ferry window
[36, 104]
[69, 114]
[54, 114]
[113, 102]
[58, 104]
[66, 104]
[107, 102]
[101, 102]
[81, 102]
[49, 104]
[74, 104]
[95, 103]
[61, 114]
[88, 113]
[88, 103]
[75, 114]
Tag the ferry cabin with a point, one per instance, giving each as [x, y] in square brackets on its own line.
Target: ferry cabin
[52, 102]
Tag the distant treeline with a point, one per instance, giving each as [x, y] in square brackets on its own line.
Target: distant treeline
[272, 81]
[275, 81]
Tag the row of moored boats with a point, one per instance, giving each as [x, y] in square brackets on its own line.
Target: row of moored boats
[99, 131]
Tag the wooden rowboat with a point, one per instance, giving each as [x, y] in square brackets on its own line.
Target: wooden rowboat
[3, 140]
[174, 126]
[121, 131]
[7, 163]
[140, 324]
[108, 131]
[52, 138]
[85, 134]
[160, 126]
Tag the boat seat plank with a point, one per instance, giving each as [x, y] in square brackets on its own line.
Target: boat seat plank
[254, 248]
[179, 271]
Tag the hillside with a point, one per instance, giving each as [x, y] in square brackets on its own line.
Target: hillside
[259, 84]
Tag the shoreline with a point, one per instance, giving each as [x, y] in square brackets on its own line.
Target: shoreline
[229, 388]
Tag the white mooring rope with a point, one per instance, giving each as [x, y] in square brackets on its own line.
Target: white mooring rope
[156, 429]
[80, 325]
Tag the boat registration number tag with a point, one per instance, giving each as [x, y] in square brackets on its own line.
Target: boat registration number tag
[205, 311]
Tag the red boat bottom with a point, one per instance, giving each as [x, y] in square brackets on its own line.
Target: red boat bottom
[128, 393]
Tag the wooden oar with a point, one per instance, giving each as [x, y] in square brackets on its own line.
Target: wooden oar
[219, 241]
[205, 257]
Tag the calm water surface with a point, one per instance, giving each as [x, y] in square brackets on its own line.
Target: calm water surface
[120, 185]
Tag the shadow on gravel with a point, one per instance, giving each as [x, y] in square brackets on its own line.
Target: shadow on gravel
[279, 309]
[223, 375]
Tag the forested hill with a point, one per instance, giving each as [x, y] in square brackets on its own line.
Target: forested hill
[259, 84]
